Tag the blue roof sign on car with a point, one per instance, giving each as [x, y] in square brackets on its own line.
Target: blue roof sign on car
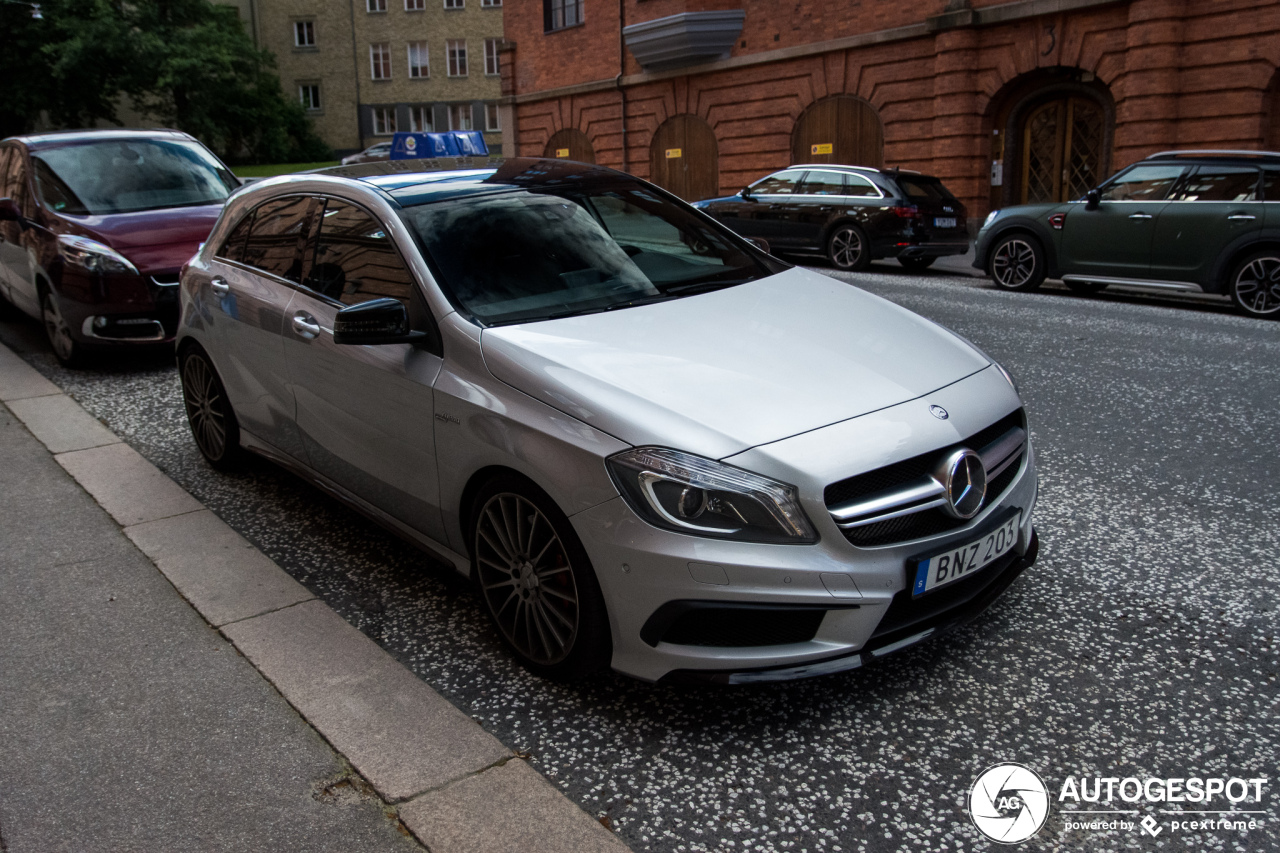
[455, 143]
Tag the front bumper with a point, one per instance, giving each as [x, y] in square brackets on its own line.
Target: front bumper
[147, 315]
[821, 607]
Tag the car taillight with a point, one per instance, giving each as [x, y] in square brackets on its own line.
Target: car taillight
[908, 212]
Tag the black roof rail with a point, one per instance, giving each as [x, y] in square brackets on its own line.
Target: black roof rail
[1215, 152]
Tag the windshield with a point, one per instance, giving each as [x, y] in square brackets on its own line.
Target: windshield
[530, 255]
[124, 175]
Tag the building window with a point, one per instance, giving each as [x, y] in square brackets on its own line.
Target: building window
[492, 118]
[304, 34]
[457, 49]
[558, 14]
[384, 121]
[421, 120]
[491, 66]
[419, 61]
[375, 5]
[460, 117]
[309, 94]
[490, 4]
[415, 5]
[454, 4]
[380, 61]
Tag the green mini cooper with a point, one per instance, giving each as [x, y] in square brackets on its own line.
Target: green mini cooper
[1192, 221]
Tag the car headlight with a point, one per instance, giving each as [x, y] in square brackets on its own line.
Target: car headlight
[92, 256]
[689, 494]
[991, 217]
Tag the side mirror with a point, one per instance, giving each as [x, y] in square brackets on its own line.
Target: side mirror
[378, 321]
[10, 212]
[1092, 199]
[746, 193]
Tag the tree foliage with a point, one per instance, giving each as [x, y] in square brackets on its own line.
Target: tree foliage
[186, 64]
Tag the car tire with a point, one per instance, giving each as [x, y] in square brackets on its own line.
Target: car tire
[66, 349]
[1085, 288]
[1017, 263]
[535, 581]
[916, 264]
[1255, 285]
[209, 413]
[848, 248]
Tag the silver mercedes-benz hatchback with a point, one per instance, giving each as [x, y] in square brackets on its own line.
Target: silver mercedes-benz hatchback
[651, 445]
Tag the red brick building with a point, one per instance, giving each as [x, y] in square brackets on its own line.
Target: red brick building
[1006, 101]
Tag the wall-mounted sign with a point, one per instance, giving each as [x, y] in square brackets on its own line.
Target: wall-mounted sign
[997, 173]
[673, 153]
[821, 148]
[562, 152]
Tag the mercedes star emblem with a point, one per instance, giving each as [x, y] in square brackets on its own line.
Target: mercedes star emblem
[964, 481]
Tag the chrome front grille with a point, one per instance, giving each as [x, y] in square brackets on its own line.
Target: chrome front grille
[907, 500]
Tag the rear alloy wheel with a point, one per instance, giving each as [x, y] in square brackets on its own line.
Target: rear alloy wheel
[916, 264]
[537, 583]
[68, 352]
[213, 423]
[848, 249]
[1017, 263]
[1255, 285]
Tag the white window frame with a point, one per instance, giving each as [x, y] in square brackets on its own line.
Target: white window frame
[375, 7]
[422, 120]
[455, 4]
[491, 60]
[387, 125]
[562, 14]
[415, 5]
[424, 66]
[490, 4]
[492, 118]
[470, 113]
[456, 62]
[377, 51]
[301, 27]
[303, 96]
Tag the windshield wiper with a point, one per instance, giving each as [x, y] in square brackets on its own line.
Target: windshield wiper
[701, 286]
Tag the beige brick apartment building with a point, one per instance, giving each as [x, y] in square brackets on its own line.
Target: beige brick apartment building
[367, 68]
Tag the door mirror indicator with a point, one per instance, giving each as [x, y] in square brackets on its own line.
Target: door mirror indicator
[1092, 199]
[378, 321]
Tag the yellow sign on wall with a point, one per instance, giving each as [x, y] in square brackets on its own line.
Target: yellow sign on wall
[562, 152]
[822, 148]
[673, 153]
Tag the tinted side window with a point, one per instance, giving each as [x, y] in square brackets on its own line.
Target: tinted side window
[823, 183]
[355, 259]
[1142, 183]
[918, 186]
[1271, 185]
[860, 186]
[1221, 183]
[275, 241]
[233, 247]
[783, 183]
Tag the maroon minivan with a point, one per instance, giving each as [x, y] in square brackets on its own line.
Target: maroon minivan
[95, 226]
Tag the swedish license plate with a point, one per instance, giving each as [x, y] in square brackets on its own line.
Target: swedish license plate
[944, 222]
[963, 560]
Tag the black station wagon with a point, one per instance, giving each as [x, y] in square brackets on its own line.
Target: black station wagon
[1192, 221]
[850, 214]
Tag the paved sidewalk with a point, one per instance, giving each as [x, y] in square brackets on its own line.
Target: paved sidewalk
[164, 686]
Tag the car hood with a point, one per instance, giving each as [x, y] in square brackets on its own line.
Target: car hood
[721, 372]
[154, 240]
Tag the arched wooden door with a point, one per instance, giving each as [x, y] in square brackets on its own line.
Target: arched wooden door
[840, 129]
[571, 144]
[684, 158]
[1062, 150]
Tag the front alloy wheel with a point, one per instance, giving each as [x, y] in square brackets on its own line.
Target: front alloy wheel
[56, 329]
[847, 248]
[213, 423]
[1017, 263]
[537, 583]
[1255, 287]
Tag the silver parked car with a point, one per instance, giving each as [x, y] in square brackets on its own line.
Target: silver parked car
[651, 445]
